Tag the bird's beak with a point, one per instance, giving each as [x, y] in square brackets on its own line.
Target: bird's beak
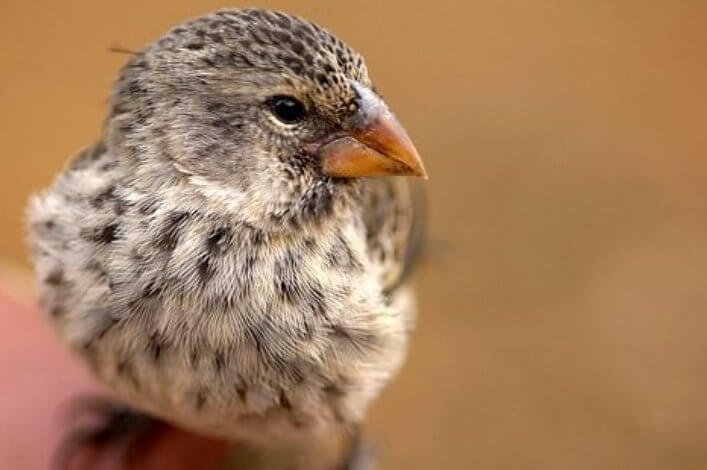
[374, 144]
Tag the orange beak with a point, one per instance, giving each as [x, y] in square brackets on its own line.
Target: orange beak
[375, 144]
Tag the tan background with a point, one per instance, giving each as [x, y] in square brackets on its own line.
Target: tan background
[564, 301]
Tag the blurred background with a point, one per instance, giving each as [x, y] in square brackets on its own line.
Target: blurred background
[563, 302]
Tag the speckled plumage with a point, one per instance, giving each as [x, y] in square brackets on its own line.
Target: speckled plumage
[198, 259]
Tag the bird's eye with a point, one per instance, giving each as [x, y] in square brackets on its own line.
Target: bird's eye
[287, 109]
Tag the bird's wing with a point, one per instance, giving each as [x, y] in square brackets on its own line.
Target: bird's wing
[394, 217]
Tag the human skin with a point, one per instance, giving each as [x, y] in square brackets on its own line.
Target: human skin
[39, 378]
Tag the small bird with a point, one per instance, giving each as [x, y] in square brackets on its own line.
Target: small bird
[231, 256]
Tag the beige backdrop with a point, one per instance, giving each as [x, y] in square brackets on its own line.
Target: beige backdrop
[564, 300]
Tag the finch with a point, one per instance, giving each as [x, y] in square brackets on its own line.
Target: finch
[231, 256]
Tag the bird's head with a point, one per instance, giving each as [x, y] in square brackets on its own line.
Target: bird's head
[265, 110]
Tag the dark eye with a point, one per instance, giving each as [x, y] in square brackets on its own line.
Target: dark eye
[287, 109]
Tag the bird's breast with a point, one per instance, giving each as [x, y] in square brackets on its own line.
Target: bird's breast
[216, 323]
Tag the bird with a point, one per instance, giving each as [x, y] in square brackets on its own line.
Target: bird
[232, 255]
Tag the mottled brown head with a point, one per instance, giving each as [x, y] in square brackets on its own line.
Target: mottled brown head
[262, 104]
